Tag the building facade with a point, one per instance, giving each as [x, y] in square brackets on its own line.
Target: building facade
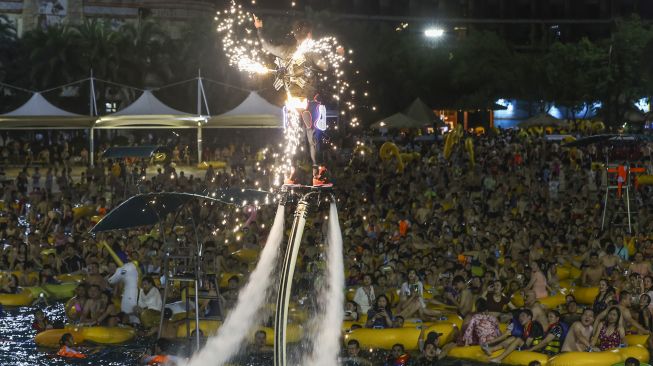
[29, 14]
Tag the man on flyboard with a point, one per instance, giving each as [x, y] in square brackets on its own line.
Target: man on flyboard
[297, 73]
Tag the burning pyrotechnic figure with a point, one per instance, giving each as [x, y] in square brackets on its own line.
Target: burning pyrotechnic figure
[298, 70]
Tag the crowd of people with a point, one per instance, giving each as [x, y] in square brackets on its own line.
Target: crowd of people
[444, 232]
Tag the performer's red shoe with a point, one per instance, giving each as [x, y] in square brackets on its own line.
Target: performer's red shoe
[289, 182]
[321, 180]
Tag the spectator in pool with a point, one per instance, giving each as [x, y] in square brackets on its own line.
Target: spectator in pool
[354, 357]
[380, 316]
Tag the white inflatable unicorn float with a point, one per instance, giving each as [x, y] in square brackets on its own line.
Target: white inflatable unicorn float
[127, 274]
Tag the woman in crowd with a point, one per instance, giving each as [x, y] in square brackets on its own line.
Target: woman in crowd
[609, 332]
[380, 315]
[604, 297]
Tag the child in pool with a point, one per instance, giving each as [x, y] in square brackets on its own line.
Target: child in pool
[66, 349]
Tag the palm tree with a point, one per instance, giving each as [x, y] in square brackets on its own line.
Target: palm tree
[7, 45]
[54, 56]
[100, 44]
[145, 54]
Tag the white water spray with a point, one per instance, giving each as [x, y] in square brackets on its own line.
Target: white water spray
[326, 344]
[246, 314]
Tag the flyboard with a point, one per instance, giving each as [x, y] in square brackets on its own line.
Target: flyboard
[308, 199]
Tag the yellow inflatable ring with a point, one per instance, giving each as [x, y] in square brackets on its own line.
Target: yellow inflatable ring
[475, 353]
[246, 255]
[69, 277]
[386, 338]
[605, 358]
[225, 276]
[550, 302]
[207, 327]
[645, 180]
[23, 298]
[585, 295]
[636, 339]
[99, 335]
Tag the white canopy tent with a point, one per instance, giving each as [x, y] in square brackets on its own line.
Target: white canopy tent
[253, 112]
[38, 113]
[148, 112]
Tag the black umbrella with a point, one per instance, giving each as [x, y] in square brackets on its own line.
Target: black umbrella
[148, 209]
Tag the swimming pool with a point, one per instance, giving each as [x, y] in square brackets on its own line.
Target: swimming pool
[17, 347]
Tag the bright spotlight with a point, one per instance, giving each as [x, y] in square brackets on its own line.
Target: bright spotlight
[434, 32]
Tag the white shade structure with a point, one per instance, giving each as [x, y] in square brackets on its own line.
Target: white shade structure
[38, 113]
[253, 112]
[149, 112]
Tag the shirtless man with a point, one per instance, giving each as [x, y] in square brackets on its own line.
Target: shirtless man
[592, 275]
[93, 277]
[539, 312]
[580, 333]
[93, 306]
[625, 303]
[463, 298]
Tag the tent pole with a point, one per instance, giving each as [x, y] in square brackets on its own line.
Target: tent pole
[199, 92]
[199, 113]
[93, 112]
[92, 146]
[199, 143]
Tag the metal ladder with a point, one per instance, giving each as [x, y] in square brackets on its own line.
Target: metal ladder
[625, 202]
[184, 266]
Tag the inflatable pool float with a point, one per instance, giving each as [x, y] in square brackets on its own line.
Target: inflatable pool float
[585, 295]
[550, 302]
[523, 358]
[350, 293]
[23, 298]
[636, 339]
[246, 255]
[83, 211]
[475, 353]
[63, 291]
[207, 327]
[99, 335]
[224, 278]
[386, 338]
[210, 328]
[605, 358]
[347, 324]
[70, 277]
[568, 272]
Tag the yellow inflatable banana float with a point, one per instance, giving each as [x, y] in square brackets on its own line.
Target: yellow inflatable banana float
[98, 335]
[469, 146]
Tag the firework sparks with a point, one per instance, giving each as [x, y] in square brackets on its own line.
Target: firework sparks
[244, 52]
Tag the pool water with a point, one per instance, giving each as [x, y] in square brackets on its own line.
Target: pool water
[17, 347]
